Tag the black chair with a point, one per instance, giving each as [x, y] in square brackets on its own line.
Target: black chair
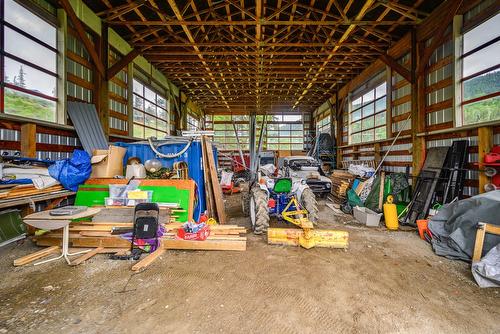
[146, 223]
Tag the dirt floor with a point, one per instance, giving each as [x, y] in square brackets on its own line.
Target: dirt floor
[386, 282]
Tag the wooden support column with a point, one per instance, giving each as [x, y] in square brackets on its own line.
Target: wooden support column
[340, 125]
[417, 109]
[485, 143]
[28, 140]
[102, 88]
[376, 153]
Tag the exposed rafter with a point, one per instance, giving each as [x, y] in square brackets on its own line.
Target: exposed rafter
[258, 55]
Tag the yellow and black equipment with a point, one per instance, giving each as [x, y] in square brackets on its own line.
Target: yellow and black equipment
[307, 236]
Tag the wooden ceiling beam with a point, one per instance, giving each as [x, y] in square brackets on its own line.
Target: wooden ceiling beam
[160, 59]
[262, 23]
[400, 69]
[262, 44]
[345, 35]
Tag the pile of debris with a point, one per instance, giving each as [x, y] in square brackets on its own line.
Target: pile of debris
[106, 228]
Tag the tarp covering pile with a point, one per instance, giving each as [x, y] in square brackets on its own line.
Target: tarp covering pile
[454, 227]
[487, 271]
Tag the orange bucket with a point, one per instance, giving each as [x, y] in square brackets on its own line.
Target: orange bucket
[422, 228]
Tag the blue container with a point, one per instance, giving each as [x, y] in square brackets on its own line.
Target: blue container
[193, 157]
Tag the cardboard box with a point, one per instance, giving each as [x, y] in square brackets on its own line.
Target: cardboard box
[108, 163]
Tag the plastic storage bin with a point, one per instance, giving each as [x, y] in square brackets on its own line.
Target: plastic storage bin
[366, 216]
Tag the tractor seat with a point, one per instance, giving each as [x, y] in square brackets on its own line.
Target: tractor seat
[283, 185]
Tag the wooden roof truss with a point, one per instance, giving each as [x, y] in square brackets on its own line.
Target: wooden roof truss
[262, 55]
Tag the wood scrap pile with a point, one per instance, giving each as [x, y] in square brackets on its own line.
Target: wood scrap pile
[341, 182]
[105, 228]
[100, 234]
[26, 190]
[213, 190]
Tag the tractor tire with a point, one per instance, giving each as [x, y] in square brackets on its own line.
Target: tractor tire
[308, 201]
[259, 214]
[245, 203]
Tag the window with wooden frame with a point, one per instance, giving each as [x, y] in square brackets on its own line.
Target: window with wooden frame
[367, 116]
[118, 98]
[285, 132]
[401, 99]
[224, 131]
[323, 125]
[192, 122]
[28, 61]
[150, 112]
[79, 67]
[308, 131]
[480, 82]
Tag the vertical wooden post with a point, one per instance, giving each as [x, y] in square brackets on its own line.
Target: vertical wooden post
[376, 153]
[485, 143]
[417, 109]
[101, 87]
[340, 126]
[28, 140]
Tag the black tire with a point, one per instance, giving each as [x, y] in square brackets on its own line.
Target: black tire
[308, 201]
[245, 203]
[259, 214]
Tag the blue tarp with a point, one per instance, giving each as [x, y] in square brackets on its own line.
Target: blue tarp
[72, 172]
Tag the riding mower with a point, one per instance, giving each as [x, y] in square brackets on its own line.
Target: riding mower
[291, 202]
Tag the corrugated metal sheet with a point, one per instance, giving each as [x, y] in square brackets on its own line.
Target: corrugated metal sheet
[87, 125]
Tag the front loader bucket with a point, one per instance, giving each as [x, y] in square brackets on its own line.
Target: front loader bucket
[318, 238]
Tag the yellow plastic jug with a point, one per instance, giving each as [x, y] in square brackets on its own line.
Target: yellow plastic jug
[391, 214]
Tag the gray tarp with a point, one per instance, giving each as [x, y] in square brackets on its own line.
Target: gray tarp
[454, 227]
[487, 271]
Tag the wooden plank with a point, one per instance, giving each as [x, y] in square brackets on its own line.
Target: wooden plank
[216, 189]
[478, 245]
[28, 140]
[223, 245]
[484, 143]
[142, 264]
[381, 190]
[87, 256]
[208, 183]
[37, 255]
[493, 229]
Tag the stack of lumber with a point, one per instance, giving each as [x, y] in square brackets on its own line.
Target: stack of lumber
[341, 182]
[98, 234]
[213, 190]
[26, 190]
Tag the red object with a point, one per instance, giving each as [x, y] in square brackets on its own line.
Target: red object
[491, 158]
[230, 189]
[271, 203]
[423, 229]
[201, 235]
[203, 218]
[237, 164]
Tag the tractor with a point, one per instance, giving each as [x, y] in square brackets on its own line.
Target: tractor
[277, 196]
[291, 201]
